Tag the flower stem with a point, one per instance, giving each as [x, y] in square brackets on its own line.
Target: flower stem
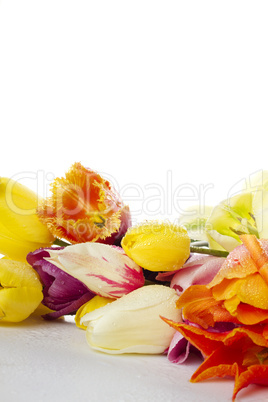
[61, 243]
[209, 251]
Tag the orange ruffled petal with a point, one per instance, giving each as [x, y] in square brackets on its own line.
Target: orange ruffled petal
[256, 374]
[229, 353]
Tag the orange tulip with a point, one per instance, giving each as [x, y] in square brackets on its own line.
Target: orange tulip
[84, 207]
[238, 293]
[241, 353]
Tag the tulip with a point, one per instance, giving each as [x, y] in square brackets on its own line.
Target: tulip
[104, 269]
[84, 207]
[230, 219]
[244, 213]
[132, 324]
[20, 229]
[63, 293]
[20, 290]
[157, 246]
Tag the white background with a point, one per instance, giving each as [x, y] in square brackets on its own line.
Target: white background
[158, 96]
[168, 99]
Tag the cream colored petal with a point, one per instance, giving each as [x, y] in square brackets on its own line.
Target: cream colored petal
[132, 324]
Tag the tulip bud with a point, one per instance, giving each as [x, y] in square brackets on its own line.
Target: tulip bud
[105, 270]
[132, 324]
[20, 290]
[20, 229]
[228, 220]
[157, 246]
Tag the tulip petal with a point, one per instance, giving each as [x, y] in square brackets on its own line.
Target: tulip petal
[62, 292]
[238, 264]
[207, 342]
[93, 304]
[250, 315]
[198, 270]
[20, 290]
[179, 349]
[229, 353]
[220, 363]
[229, 219]
[256, 374]
[200, 307]
[20, 229]
[250, 290]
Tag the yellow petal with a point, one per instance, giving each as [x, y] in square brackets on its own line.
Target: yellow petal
[20, 292]
[157, 246]
[93, 304]
[20, 229]
[18, 303]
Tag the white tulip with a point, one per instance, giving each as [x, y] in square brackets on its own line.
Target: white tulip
[133, 324]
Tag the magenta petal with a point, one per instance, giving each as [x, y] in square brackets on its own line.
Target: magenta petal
[61, 291]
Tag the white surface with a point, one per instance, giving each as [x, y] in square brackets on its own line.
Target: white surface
[51, 361]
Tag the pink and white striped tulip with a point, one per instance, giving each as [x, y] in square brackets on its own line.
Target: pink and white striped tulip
[106, 270]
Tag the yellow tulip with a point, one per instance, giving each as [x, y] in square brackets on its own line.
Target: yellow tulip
[157, 246]
[21, 231]
[91, 305]
[20, 290]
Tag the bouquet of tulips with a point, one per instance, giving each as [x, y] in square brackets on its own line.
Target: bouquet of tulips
[156, 287]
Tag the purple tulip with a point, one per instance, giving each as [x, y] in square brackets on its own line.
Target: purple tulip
[62, 292]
